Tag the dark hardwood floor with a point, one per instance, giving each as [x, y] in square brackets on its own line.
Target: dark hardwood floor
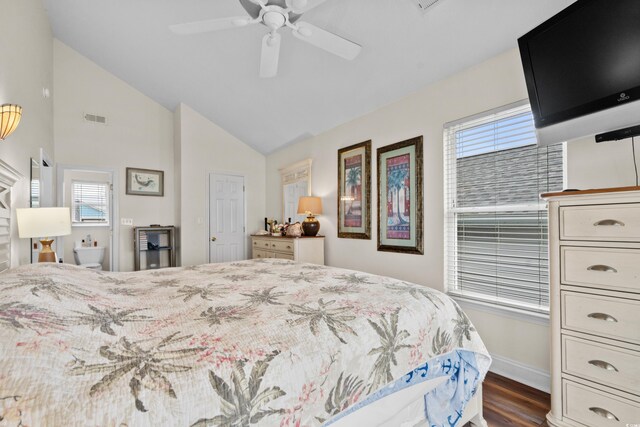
[508, 403]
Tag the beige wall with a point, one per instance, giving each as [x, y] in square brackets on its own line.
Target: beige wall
[491, 84]
[204, 147]
[139, 134]
[26, 58]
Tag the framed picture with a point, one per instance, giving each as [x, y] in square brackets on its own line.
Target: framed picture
[354, 191]
[145, 182]
[400, 224]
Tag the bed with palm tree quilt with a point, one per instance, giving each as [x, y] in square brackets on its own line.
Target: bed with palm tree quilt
[252, 343]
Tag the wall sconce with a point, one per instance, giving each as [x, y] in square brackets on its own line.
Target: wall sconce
[10, 115]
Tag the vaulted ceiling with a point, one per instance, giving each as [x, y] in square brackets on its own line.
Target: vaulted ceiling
[218, 73]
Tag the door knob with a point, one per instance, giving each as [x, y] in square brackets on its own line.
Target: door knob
[213, 239]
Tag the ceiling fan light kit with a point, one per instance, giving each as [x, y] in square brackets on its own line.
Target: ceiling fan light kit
[276, 14]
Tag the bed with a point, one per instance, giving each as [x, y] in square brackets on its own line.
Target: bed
[260, 342]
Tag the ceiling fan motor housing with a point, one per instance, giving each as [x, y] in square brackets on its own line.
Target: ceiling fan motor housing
[274, 19]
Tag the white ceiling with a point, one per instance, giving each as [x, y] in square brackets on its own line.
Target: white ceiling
[217, 73]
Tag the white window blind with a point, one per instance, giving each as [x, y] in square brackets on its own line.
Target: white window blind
[90, 202]
[496, 225]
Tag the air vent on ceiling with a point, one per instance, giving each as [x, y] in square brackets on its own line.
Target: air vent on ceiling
[94, 118]
[425, 5]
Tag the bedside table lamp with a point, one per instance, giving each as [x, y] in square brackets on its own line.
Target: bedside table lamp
[43, 223]
[311, 206]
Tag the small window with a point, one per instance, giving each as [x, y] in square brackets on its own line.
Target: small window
[496, 224]
[90, 203]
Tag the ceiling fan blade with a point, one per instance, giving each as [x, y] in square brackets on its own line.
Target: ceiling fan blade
[301, 6]
[211, 25]
[270, 55]
[327, 41]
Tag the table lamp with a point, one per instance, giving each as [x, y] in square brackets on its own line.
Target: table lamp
[43, 223]
[311, 206]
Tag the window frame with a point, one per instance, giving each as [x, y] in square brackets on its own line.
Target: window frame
[479, 301]
[108, 221]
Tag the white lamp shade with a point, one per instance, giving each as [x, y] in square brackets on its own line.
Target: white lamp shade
[310, 204]
[43, 222]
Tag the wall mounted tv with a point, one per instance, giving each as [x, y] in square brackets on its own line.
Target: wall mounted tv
[582, 69]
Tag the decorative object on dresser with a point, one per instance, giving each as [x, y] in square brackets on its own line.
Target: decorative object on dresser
[354, 191]
[44, 223]
[145, 182]
[594, 259]
[154, 247]
[10, 115]
[294, 230]
[310, 206]
[301, 249]
[400, 197]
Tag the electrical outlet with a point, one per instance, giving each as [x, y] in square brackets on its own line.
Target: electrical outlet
[126, 221]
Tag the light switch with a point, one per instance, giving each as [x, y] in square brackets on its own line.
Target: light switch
[126, 221]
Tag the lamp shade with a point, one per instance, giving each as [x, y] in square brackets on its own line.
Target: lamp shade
[10, 116]
[310, 204]
[43, 222]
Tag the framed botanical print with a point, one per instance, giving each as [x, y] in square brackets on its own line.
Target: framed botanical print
[145, 182]
[354, 191]
[400, 224]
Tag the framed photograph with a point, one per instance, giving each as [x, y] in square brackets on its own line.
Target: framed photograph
[354, 191]
[400, 224]
[145, 182]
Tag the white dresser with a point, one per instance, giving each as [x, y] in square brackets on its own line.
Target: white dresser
[594, 259]
[301, 249]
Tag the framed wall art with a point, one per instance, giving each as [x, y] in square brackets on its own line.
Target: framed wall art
[354, 191]
[145, 182]
[400, 224]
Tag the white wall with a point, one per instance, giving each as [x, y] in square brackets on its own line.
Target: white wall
[26, 58]
[139, 134]
[203, 147]
[604, 165]
[491, 84]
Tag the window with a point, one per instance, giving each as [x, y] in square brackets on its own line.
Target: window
[90, 203]
[496, 224]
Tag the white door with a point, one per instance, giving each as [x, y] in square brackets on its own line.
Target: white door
[226, 218]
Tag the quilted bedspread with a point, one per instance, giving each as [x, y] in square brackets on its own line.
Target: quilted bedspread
[261, 342]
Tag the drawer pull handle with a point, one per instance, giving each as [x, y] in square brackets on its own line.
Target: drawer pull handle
[603, 316]
[603, 413]
[609, 223]
[603, 365]
[288, 247]
[602, 268]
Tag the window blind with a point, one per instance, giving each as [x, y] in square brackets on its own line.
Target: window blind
[496, 225]
[90, 202]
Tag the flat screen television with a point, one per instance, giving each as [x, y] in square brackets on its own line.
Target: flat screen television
[582, 61]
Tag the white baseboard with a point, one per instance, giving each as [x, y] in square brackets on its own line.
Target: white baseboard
[521, 373]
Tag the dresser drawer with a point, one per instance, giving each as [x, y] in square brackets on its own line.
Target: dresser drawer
[261, 243]
[282, 255]
[591, 407]
[284, 245]
[603, 268]
[615, 318]
[259, 253]
[615, 367]
[617, 223]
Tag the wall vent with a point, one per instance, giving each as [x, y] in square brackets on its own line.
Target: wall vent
[425, 5]
[94, 118]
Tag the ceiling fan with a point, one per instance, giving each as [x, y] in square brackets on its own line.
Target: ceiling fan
[276, 14]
